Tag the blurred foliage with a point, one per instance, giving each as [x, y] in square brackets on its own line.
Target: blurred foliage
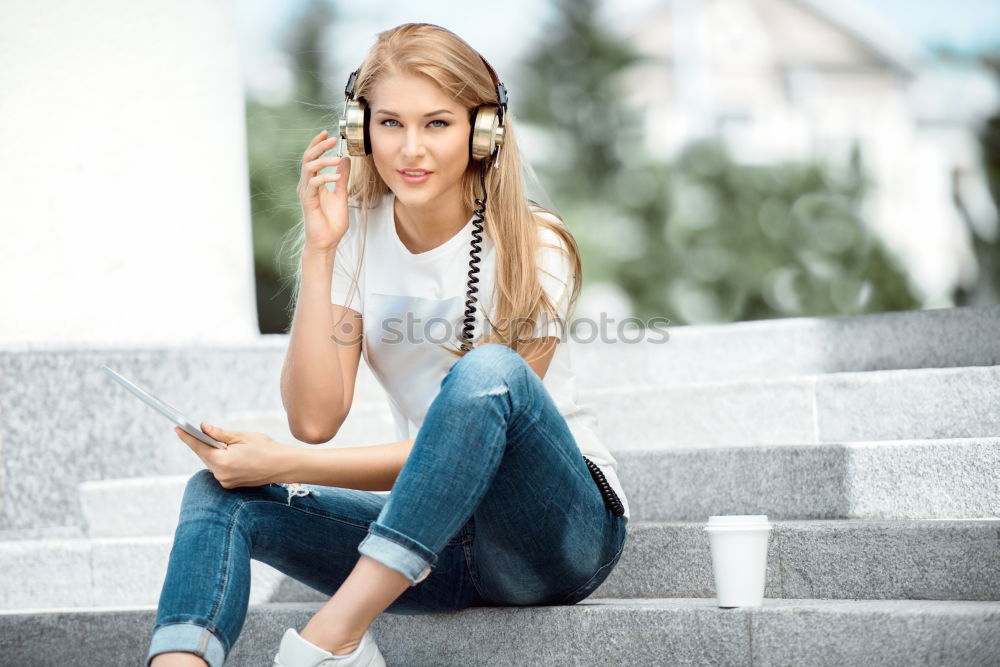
[277, 137]
[989, 136]
[571, 90]
[743, 242]
[986, 246]
[703, 239]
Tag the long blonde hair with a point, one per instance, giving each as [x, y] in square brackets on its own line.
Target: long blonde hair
[511, 222]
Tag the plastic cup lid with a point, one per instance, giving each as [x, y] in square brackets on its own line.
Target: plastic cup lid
[738, 521]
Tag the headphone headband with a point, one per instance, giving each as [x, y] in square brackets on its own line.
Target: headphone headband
[501, 90]
[349, 88]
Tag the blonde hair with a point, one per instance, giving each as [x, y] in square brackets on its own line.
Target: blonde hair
[512, 221]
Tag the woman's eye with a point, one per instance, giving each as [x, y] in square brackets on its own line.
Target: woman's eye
[387, 121]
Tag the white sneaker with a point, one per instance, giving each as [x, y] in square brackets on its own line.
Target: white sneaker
[298, 652]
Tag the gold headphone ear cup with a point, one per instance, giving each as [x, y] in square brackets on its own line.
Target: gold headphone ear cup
[487, 135]
[353, 128]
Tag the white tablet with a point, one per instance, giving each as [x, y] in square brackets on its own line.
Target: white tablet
[167, 411]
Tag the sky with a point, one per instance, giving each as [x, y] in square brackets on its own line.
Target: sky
[964, 24]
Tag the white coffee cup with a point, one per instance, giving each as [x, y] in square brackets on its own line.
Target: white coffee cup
[739, 558]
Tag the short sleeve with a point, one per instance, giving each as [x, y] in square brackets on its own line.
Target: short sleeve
[343, 291]
[555, 276]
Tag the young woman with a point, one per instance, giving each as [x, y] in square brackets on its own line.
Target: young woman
[501, 491]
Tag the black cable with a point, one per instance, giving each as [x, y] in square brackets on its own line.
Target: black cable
[477, 240]
[610, 497]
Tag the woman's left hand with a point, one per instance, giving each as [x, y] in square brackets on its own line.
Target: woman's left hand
[251, 459]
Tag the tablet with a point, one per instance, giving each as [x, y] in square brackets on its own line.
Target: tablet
[171, 413]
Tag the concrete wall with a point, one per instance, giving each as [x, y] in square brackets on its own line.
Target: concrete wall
[124, 202]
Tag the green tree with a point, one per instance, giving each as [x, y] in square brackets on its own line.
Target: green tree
[703, 239]
[276, 138]
[758, 242]
[986, 247]
[572, 90]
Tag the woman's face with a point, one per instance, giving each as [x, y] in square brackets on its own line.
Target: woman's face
[417, 128]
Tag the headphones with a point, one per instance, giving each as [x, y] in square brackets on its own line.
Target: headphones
[485, 137]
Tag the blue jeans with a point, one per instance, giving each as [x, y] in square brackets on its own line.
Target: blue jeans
[494, 507]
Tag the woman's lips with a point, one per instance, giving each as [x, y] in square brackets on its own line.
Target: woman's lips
[414, 175]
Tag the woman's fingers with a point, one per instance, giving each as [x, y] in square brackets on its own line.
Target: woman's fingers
[221, 434]
[322, 178]
[343, 172]
[199, 447]
[315, 150]
[345, 169]
[313, 162]
[317, 137]
[319, 163]
[322, 136]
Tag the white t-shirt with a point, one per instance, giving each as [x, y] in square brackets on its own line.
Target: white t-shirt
[412, 303]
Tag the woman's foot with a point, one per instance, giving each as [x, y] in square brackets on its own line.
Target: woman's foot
[295, 651]
[336, 647]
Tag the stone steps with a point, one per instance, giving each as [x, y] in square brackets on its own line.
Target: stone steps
[59, 406]
[902, 479]
[98, 572]
[885, 480]
[845, 559]
[912, 404]
[875, 405]
[871, 441]
[786, 347]
[962, 411]
[654, 631]
[956, 560]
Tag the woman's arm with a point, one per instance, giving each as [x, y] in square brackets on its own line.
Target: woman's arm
[313, 376]
[318, 367]
[370, 468]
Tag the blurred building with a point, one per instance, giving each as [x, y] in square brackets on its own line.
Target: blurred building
[796, 79]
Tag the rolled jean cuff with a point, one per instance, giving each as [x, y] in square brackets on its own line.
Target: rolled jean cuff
[393, 549]
[190, 638]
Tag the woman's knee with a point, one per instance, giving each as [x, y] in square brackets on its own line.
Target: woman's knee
[203, 487]
[490, 360]
[202, 478]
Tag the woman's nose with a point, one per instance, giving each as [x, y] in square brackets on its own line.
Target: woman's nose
[414, 143]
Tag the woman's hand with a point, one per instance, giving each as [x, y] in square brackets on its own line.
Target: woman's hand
[251, 459]
[324, 212]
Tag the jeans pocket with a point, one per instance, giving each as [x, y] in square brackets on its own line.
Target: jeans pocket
[595, 581]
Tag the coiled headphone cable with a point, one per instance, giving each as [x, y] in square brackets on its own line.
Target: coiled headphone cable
[477, 240]
[610, 497]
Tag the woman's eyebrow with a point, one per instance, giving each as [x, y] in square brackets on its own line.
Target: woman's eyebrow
[426, 115]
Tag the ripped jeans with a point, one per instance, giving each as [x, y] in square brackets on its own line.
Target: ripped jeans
[494, 507]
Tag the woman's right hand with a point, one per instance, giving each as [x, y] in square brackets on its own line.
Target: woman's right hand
[324, 212]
